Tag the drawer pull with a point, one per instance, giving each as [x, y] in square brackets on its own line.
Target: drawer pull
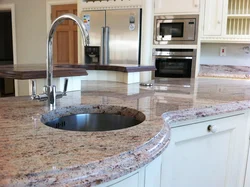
[212, 128]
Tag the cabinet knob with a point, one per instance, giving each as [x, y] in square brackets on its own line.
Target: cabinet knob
[195, 5]
[212, 128]
[218, 22]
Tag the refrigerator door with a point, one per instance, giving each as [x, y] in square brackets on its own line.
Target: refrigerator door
[94, 21]
[124, 38]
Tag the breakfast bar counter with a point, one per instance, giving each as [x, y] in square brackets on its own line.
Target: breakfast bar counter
[33, 154]
[37, 71]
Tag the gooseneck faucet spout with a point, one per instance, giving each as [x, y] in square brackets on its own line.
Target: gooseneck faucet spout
[50, 89]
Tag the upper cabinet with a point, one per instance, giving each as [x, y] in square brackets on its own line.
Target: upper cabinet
[238, 17]
[225, 21]
[213, 19]
[211, 153]
[177, 6]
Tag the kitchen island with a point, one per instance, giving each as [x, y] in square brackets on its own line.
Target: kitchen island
[33, 154]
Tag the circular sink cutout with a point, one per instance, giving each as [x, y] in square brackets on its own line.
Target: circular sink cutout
[93, 118]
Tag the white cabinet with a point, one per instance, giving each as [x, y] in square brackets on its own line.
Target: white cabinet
[153, 173]
[225, 21]
[130, 181]
[247, 179]
[176, 6]
[147, 176]
[213, 18]
[212, 153]
[135, 179]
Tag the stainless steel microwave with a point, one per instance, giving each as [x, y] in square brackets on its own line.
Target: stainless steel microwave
[176, 29]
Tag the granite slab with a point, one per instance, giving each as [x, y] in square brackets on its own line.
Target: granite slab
[224, 71]
[32, 154]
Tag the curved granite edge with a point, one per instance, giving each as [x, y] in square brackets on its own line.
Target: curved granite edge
[224, 71]
[105, 170]
[195, 113]
[116, 166]
[111, 168]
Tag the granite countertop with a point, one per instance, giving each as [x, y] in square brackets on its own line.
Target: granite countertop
[38, 71]
[224, 71]
[34, 154]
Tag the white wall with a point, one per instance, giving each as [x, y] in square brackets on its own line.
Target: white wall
[31, 34]
[210, 54]
[30, 30]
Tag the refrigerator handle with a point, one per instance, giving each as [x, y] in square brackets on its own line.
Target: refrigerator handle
[106, 46]
[102, 46]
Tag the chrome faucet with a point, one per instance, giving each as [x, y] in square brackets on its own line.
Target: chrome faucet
[50, 93]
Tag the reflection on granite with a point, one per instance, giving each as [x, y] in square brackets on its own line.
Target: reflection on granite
[224, 71]
[33, 154]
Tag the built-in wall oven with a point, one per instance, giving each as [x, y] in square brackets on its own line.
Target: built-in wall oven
[176, 63]
[181, 29]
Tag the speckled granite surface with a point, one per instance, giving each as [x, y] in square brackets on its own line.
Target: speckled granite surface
[225, 71]
[33, 154]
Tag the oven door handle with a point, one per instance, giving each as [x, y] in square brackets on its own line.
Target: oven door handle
[170, 57]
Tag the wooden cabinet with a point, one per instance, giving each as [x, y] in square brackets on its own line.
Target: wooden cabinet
[211, 153]
[213, 18]
[176, 6]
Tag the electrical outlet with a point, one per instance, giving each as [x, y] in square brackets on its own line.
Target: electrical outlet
[223, 51]
[246, 49]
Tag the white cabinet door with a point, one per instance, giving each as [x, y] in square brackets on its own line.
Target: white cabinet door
[130, 181]
[197, 157]
[177, 6]
[213, 17]
[153, 173]
[247, 180]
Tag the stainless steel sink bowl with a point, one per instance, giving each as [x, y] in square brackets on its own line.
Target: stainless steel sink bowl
[93, 118]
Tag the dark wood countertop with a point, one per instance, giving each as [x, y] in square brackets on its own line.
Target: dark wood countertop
[121, 68]
[38, 71]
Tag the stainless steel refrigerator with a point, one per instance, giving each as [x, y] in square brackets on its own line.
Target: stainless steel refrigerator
[115, 35]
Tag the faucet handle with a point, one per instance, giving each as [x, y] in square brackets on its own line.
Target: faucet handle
[66, 80]
[33, 90]
[45, 89]
[33, 84]
[53, 96]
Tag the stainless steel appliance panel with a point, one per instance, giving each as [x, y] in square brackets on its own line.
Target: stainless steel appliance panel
[188, 30]
[97, 21]
[179, 63]
[185, 34]
[124, 39]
